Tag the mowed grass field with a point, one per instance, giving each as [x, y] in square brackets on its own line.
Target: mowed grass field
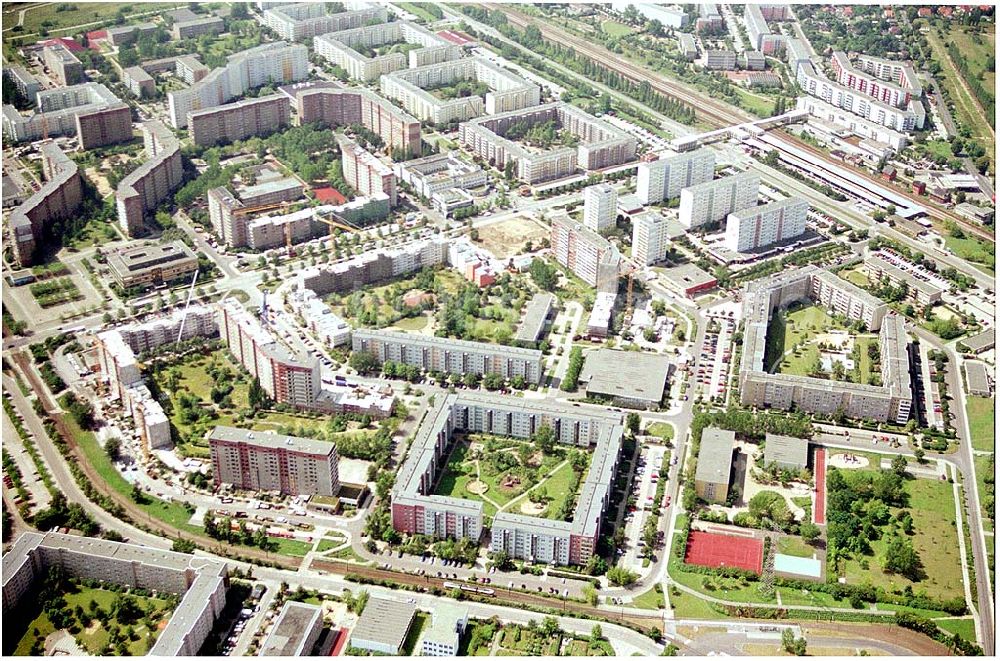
[616, 29]
[932, 506]
[974, 250]
[978, 50]
[981, 423]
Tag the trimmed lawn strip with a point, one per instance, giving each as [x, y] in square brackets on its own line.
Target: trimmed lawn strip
[965, 627]
[650, 600]
[686, 606]
[981, 424]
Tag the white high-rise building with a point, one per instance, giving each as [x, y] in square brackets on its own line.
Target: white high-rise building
[599, 204]
[756, 227]
[663, 179]
[649, 238]
[714, 200]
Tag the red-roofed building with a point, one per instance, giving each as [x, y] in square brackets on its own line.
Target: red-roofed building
[454, 37]
[65, 41]
[924, 12]
[95, 36]
[329, 195]
[946, 11]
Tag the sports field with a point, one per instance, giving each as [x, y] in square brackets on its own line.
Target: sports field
[714, 550]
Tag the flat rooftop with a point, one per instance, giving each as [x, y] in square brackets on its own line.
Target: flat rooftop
[138, 258]
[715, 455]
[977, 376]
[535, 315]
[628, 374]
[294, 624]
[385, 621]
[785, 450]
[272, 440]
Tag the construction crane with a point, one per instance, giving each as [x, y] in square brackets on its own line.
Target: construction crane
[630, 274]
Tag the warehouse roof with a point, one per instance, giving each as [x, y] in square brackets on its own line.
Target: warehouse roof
[629, 374]
[385, 621]
[292, 629]
[786, 450]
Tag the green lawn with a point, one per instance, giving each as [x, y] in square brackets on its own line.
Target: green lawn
[932, 506]
[661, 429]
[795, 546]
[651, 600]
[72, 14]
[974, 250]
[855, 276]
[420, 622]
[981, 424]
[347, 553]
[292, 547]
[978, 51]
[759, 105]
[690, 607]
[984, 468]
[965, 627]
[95, 636]
[792, 335]
[412, 323]
[418, 9]
[616, 29]
[938, 148]
[327, 544]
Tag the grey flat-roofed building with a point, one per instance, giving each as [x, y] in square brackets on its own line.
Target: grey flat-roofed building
[687, 46]
[138, 82]
[786, 451]
[295, 632]
[536, 314]
[383, 626]
[977, 378]
[152, 263]
[25, 82]
[630, 378]
[715, 464]
[982, 342]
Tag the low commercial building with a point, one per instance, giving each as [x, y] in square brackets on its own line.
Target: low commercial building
[303, 21]
[335, 107]
[58, 198]
[536, 316]
[138, 82]
[628, 378]
[720, 60]
[981, 342]
[383, 626]
[983, 215]
[978, 379]
[414, 89]
[448, 625]
[295, 632]
[715, 464]
[90, 111]
[440, 172]
[594, 259]
[664, 179]
[786, 452]
[443, 354]
[760, 226]
[195, 27]
[143, 189]
[713, 200]
[240, 120]
[357, 50]
[66, 69]
[152, 264]
[601, 145]
[688, 279]
[266, 461]
[201, 582]
[447, 202]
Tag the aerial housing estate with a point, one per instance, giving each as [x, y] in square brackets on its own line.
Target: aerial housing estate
[89, 110]
[302, 21]
[889, 402]
[354, 50]
[143, 189]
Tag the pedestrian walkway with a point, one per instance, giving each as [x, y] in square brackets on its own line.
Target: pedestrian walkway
[819, 500]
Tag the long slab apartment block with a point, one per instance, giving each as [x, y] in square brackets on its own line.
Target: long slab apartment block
[334, 107]
[90, 111]
[601, 144]
[143, 189]
[416, 510]
[891, 402]
[507, 91]
[373, 267]
[273, 63]
[302, 21]
[240, 120]
[442, 354]
[356, 50]
[767, 224]
[58, 198]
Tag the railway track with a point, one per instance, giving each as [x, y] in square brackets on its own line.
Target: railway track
[514, 599]
[711, 112]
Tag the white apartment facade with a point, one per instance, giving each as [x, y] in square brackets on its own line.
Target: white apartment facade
[712, 201]
[760, 226]
[664, 179]
[600, 203]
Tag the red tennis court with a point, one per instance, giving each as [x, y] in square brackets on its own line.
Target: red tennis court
[713, 550]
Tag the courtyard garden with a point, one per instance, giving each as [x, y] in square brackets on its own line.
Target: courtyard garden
[534, 478]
